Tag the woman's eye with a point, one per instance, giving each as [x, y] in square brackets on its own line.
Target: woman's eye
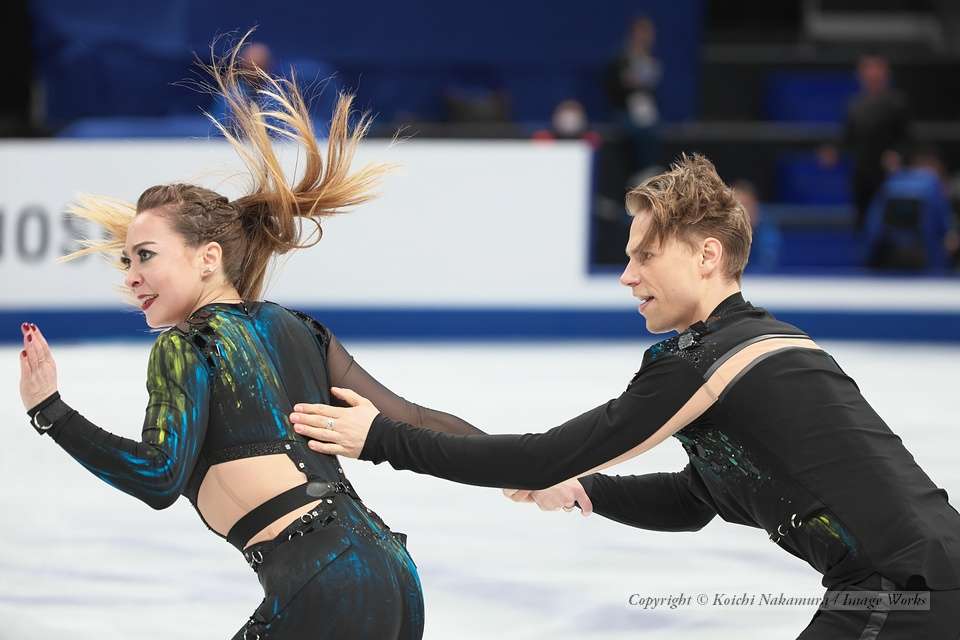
[125, 263]
[145, 254]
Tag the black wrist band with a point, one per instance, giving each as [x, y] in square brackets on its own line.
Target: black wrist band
[43, 404]
[46, 414]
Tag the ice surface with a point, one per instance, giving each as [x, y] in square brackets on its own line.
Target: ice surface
[80, 559]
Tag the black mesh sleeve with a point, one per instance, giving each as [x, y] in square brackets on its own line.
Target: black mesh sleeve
[346, 373]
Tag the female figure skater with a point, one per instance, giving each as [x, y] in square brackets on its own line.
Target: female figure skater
[226, 372]
[777, 435]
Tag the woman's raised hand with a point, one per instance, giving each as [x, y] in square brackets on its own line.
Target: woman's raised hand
[337, 431]
[38, 371]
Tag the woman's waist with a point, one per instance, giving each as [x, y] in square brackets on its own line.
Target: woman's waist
[343, 519]
[272, 516]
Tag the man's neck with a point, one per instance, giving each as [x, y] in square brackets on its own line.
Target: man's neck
[711, 301]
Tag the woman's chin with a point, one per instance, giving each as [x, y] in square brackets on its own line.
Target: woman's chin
[154, 321]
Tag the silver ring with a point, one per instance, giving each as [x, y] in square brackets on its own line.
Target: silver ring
[567, 508]
[330, 423]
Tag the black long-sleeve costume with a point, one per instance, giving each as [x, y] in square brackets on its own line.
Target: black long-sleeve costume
[786, 443]
[221, 387]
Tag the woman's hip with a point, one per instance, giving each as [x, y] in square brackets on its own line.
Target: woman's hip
[338, 572]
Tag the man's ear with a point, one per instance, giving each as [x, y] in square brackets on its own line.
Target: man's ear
[711, 255]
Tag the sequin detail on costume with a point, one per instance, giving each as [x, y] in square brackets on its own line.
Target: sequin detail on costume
[714, 451]
[824, 524]
[688, 346]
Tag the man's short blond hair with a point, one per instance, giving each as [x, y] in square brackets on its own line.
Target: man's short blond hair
[690, 202]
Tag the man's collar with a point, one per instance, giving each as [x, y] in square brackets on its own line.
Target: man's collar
[728, 303]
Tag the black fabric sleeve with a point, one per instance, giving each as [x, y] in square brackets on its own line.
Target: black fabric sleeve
[346, 373]
[156, 469]
[541, 460]
[655, 501]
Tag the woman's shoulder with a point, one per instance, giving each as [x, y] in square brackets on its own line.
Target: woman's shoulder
[312, 323]
[173, 347]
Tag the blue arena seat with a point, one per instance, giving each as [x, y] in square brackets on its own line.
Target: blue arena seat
[140, 127]
[801, 179]
[808, 97]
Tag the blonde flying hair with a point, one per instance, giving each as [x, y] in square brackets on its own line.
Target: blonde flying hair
[266, 221]
[690, 202]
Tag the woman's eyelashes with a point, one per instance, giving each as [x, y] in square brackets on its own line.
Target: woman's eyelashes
[143, 254]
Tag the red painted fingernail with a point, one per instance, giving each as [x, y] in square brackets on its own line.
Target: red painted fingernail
[29, 337]
[33, 326]
[24, 326]
[23, 354]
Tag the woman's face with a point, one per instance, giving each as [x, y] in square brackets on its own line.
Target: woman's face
[164, 274]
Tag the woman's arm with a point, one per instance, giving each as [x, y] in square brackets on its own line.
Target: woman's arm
[155, 469]
[666, 395]
[345, 372]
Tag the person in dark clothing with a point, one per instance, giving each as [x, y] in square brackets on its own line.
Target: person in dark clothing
[778, 436]
[875, 133]
[226, 371]
[631, 81]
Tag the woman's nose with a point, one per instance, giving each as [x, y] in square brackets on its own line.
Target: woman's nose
[132, 280]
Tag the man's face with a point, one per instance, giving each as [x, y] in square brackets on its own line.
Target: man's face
[667, 279]
[874, 74]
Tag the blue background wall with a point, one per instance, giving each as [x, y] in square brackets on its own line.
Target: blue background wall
[397, 56]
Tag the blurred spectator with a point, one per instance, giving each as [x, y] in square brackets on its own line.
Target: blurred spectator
[316, 77]
[632, 80]
[875, 133]
[953, 238]
[910, 222]
[765, 247]
[569, 122]
[477, 96]
[255, 55]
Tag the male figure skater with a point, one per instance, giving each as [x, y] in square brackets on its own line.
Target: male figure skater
[778, 436]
